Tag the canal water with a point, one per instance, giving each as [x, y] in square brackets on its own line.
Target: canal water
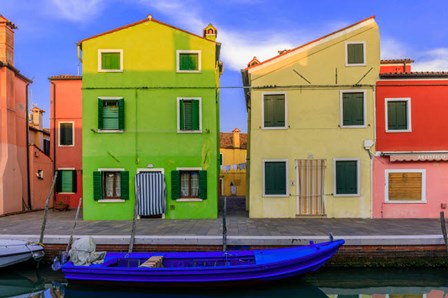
[24, 281]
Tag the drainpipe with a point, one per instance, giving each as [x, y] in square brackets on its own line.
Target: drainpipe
[28, 149]
[53, 85]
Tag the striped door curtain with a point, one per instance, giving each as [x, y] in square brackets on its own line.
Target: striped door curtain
[150, 190]
[311, 176]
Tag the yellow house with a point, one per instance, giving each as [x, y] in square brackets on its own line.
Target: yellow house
[232, 178]
[311, 126]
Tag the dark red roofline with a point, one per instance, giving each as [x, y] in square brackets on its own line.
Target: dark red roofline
[394, 61]
[65, 77]
[138, 23]
[304, 45]
[414, 74]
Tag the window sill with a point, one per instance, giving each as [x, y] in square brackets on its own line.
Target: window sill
[355, 64]
[275, 128]
[110, 131]
[189, 200]
[110, 70]
[72, 145]
[111, 201]
[189, 131]
[66, 193]
[346, 195]
[397, 131]
[353, 126]
[188, 71]
[276, 196]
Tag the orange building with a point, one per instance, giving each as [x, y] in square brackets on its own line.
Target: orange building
[232, 178]
[66, 137]
[14, 183]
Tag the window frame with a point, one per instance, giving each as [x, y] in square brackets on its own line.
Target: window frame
[102, 171]
[100, 60]
[364, 53]
[286, 194]
[358, 177]
[408, 111]
[386, 186]
[111, 98]
[341, 95]
[189, 199]
[178, 54]
[286, 110]
[59, 133]
[199, 99]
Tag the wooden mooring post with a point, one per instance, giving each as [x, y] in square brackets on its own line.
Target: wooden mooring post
[442, 222]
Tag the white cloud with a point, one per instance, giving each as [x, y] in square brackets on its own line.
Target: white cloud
[433, 60]
[75, 10]
[393, 49]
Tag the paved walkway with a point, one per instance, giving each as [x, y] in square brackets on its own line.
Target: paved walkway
[241, 230]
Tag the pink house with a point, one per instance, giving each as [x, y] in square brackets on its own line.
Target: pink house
[411, 163]
[14, 183]
[41, 165]
[66, 137]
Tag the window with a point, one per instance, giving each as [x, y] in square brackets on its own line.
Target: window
[405, 186]
[274, 110]
[398, 114]
[275, 178]
[353, 109]
[188, 61]
[355, 54]
[66, 181]
[189, 184]
[189, 114]
[346, 177]
[111, 184]
[110, 60]
[110, 114]
[66, 134]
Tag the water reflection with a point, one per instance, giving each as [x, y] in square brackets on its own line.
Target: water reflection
[341, 283]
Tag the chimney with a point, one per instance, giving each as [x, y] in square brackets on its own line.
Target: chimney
[36, 120]
[210, 32]
[7, 41]
[236, 138]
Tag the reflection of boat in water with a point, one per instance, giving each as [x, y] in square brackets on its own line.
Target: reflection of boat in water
[369, 281]
[15, 285]
[289, 288]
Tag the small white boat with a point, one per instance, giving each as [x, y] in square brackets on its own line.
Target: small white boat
[17, 251]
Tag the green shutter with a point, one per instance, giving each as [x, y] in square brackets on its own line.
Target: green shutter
[275, 178]
[353, 108]
[203, 185]
[97, 186]
[195, 115]
[355, 53]
[181, 115]
[274, 110]
[175, 185]
[346, 177]
[59, 182]
[100, 114]
[397, 118]
[110, 61]
[121, 114]
[220, 159]
[124, 179]
[74, 181]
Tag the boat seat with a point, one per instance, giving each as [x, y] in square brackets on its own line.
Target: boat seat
[153, 262]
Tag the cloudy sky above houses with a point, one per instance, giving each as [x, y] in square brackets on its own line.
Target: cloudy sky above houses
[45, 42]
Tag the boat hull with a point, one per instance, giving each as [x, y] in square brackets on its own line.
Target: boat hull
[212, 268]
[18, 251]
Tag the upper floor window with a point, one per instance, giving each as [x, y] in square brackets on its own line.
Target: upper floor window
[66, 134]
[355, 53]
[110, 60]
[274, 110]
[189, 114]
[188, 61]
[398, 114]
[353, 109]
[110, 113]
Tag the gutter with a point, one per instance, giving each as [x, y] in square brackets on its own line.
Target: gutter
[53, 85]
[28, 148]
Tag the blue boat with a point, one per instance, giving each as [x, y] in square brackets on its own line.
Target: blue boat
[203, 268]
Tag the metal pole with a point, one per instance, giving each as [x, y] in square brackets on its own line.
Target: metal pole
[44, 222]
[131, 242]
[224, 226]
[74, 226]
[442, 222]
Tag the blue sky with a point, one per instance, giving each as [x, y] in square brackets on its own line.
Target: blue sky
[45, 42]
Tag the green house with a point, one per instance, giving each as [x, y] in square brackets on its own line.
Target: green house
[150, 122]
